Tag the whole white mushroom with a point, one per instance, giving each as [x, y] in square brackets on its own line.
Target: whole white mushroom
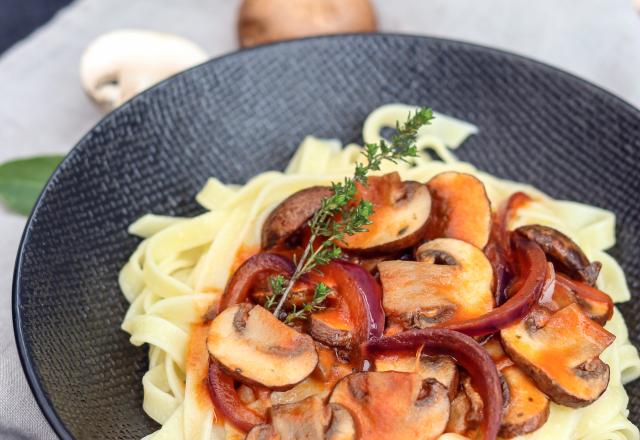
[120, 64]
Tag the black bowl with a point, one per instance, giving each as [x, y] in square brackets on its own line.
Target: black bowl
[245, 113]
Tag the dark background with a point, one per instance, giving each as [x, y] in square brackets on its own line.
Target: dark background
[18, 18]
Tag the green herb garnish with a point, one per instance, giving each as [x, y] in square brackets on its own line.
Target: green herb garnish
[320, 294]
[352, 218]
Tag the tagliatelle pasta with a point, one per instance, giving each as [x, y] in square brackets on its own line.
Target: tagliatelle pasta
[183, 264]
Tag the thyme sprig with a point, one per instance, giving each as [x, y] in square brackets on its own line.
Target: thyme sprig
[320, 294]
[339, 217]
[276, 286]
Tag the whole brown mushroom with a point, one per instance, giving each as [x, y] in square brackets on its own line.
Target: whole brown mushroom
[266, 21]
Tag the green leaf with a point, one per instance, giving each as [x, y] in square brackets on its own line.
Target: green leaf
[22, 180]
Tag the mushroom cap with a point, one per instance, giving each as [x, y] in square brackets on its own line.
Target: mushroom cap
[120, 64]
[266, 21]
[451, 281]
[253, 346]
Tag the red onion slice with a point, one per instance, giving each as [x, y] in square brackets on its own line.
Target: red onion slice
[498, 250]
[245, 276]
[363, 296]
[226, 400]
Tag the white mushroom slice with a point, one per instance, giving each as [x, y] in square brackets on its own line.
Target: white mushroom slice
[307, 388]
[401, 212]
[304, 420]
[441, 368]
[263, 432]
[120, 64]
[451, 281]
[342, 425]
[255, 347]
[393, 405]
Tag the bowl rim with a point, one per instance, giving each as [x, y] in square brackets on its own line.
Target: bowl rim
[28, 364]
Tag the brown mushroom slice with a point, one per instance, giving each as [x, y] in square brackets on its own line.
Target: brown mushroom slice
[263, 432]
[390, 405]
[561, 354]
[401, 211]
[563, 252]
[330, 368]
[342, 425]
[499, 357]
[440, 367]
[255, 347]
[527, 408]
[307, 419]
[461, 208]
[331, 328]
[596, 304]
[290, 215]
[451, 281]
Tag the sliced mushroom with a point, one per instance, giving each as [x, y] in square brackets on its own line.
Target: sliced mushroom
[498, 356]
[466, 407]
[560, 352]
[332, 329]
[307, 388]
[120, 64]
[342, 425]
[330, 368]
[401, 211]
[477, 405]
[290, 215]
[564, 253]
[440, 367]
[527, 408]
[392, 405]
[596, 304]
[255, 347]
[263, 432]
[266, 21]
[451, 281]
[246, 394]
[460, 408]
[304, 420]
[461, 208]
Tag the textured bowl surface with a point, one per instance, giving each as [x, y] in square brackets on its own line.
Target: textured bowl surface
[245, 113]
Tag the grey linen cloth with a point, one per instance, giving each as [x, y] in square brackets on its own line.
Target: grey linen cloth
[44, 110]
